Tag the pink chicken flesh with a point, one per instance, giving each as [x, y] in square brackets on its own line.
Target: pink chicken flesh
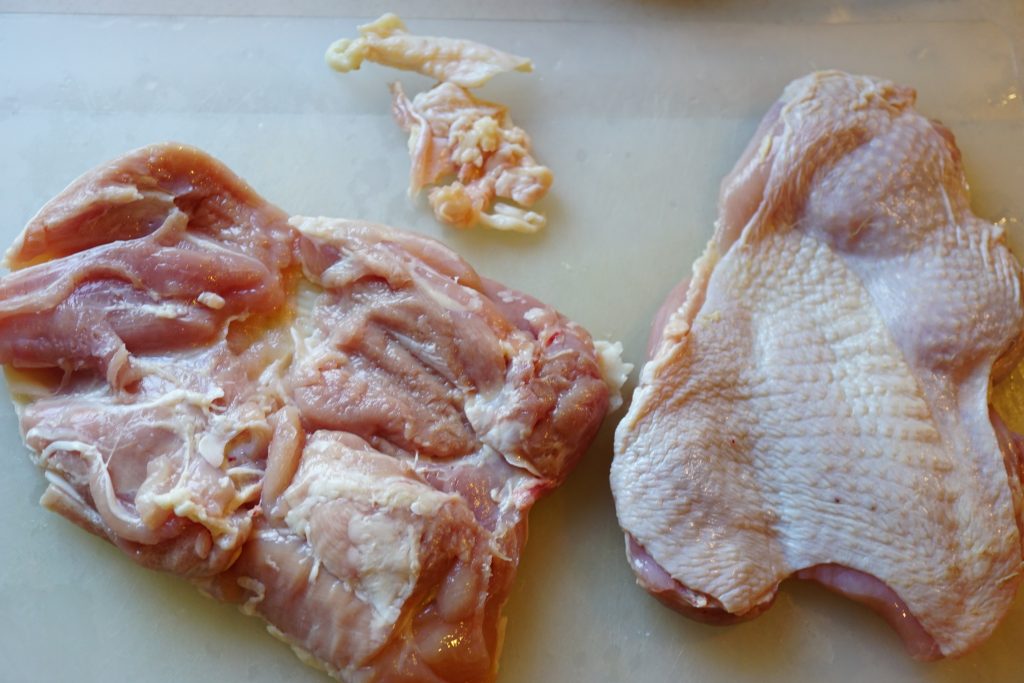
[816, 403]
[336, 425]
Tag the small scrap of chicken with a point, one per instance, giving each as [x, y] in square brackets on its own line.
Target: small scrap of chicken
[387, 42]
[453, 135]
[817, 401]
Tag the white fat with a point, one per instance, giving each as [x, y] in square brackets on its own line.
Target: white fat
[330, 230]
[87, 450]
[211, 447]
[504, 436]
[272, 379]
[510, 297]
[391, 493]
[514, 496]
[385, 549]
[483, 135]
[387, 555]
[181, 501]
[222, 428]
[258, 590]
[613, 369]
[179, 396]
[211, 300]
[513, 218]
[533, 315]
[167, 311]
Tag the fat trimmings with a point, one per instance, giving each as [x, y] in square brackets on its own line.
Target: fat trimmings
[467, 148]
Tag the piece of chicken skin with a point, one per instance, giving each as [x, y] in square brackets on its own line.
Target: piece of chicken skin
[386, 41]
[817, 404]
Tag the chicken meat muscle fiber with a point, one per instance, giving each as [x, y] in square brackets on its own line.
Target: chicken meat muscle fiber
[337, 425]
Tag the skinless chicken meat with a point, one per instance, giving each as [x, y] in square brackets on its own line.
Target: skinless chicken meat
[336, 425]
[468, 148]
[817, 399]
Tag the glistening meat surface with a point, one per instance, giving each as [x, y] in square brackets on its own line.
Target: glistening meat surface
[817, 400]
[336, 425]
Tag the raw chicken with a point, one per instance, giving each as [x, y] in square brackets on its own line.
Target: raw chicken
[451, 133]
[468, 146]
[336, 425]
[387, 42]
[817, 402]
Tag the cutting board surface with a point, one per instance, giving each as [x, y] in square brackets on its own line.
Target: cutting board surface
[639, 117]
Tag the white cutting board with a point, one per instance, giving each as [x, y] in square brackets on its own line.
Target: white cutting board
[639, 109]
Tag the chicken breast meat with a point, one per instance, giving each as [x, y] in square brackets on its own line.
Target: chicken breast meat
[336, 425]
[817, 402]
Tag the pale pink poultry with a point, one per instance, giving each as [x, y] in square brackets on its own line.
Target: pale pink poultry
[816, 403]
[337, 425]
